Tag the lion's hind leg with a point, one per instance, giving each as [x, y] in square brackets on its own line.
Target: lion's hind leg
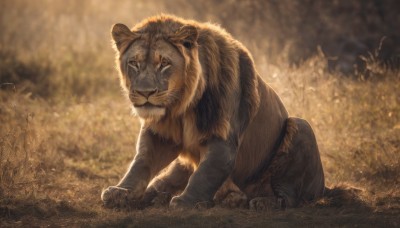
[299, 177]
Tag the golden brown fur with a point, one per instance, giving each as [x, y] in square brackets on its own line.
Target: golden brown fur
[209, 117]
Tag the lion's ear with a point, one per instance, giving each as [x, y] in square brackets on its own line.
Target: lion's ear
[122, 35]
[186, 35]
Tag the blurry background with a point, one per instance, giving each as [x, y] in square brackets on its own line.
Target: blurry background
[342, 29]
[66, 130]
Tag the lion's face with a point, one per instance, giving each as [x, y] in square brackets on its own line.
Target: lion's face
[153, 73]
[153, 70]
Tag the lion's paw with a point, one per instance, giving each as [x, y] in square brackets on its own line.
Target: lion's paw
[179, 202]
[162, 199]
[235, 200]
[265, 204]
[117, 197]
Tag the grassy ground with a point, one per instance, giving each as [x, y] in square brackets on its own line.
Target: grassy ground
[66, 131]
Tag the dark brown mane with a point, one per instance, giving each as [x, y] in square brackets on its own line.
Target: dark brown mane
[230, 79]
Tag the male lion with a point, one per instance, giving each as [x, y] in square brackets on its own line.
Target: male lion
[207, 118]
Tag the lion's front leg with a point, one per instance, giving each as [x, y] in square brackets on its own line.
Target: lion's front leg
[210, 175]
[171, 182]
[153, 154]
[131, 188]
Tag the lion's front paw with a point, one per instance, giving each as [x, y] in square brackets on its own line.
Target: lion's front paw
[117, 197]
[180, 202]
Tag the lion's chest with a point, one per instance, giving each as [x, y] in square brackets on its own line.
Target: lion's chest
[193, 140]
[191, 136]
[184, 132]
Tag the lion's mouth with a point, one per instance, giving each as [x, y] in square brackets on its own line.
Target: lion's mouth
[147, 105]
[149, 110]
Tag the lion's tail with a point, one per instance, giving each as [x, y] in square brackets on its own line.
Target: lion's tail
[343, 195]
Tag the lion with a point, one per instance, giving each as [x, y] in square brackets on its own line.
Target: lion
[208, 122]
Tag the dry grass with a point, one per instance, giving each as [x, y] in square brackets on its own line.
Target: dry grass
[66, 131]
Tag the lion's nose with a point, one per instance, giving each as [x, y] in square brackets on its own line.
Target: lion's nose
[146, 93]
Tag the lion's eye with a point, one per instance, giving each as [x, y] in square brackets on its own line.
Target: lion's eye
[134, 64]
[164, 63]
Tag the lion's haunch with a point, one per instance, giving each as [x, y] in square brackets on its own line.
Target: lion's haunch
[214, 127]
